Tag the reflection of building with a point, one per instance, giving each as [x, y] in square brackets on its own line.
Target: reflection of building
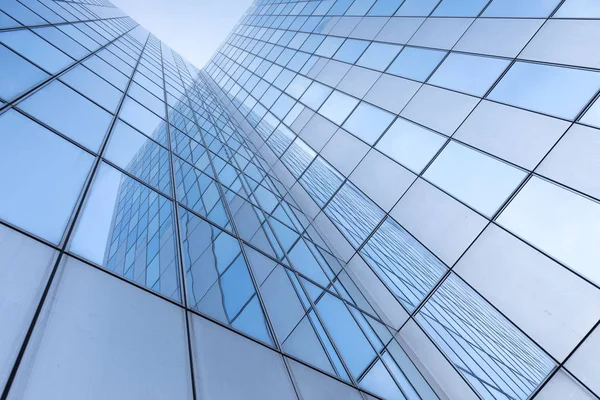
[344, 187]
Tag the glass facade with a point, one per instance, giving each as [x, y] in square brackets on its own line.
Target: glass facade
[354, 199]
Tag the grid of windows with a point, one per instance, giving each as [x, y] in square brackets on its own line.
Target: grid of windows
[358, 199]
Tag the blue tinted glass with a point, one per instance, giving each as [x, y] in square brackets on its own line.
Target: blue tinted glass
[579, 9]
[379, 55]
[62, 41]
[7, 22]
[558, 91]
[128, 229]
[338, 106]
[351, 50]
[518, 8]
[417, 8]
[92, 86]
[368, 122]
[21, 13]
[460, 8]
[416, 63]
[17, 74]
[469, 74]
[329, 46]
[385, 8]
[47, 175]
[141, 118]
[360, 7]
[69, 113]
[139, 156]
[36, 49]
[315, 95]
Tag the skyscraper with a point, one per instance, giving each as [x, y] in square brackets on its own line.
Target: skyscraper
[354, 199]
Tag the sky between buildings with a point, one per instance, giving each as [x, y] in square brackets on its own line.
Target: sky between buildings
[193, 28]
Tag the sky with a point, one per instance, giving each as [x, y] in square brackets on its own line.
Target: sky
[193, 28]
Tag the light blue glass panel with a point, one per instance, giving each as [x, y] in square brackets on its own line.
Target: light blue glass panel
[579, 9]
[417, 8]
[338, 106]
[128, 228]
[329, 46]
[351, 50]
[406, 267]
[69, 113]
[416, 63]
[491, 353]
[92, 86]
[558, 91]
[36, 49]
[142, 119]
[468, 74]
[460, 8]
[384, 8]
[379, 56]
[518, 8]
[17, 74]
[315, 95]
[42, 176]
[479, 180]
[368, 122]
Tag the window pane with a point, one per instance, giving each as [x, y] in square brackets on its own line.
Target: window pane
[36, 49]
[559, 222]
[315, 95]
[69, 113]
[557, 91]
[329, 46]
[46, 176]
[128, 229]
[379, 55]
[459, 8]
[351, 50]
[417, 8]
[92, 86]
[139, 156]
[368, 122]
[142, 119]
[17, 74]
[416, 63]
[338, 106]
[479, 180]
[469, 74]
[518, 8]
[410, 144]
[25, 266]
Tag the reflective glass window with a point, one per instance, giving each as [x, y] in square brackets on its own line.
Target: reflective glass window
[92, 86]
[459, 8]
[557, 91]
[62, 41]
[338, 106]
[417, 8]
[410, 144]
[329, 46]
[479, 180]
[36, 49]
[416, 63]
[69, 113]
[46, 176]
[558, 221]
[517, 8]
[315, 95]
[592, 115]
[368, 122]
[384, 8]
[141, 118]
[351, 50]
[17, 74]
[469, 74]
[578, 9]
[379, 56]
[128, 229]
[298, 85]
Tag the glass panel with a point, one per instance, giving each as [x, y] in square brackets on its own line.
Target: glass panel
[490, 352]
[102, 338]
[128, 229]
[559, 222]
[315, 95]
[338, 106]
[578, 9]
[36, 49]
[351, 50]
[518, 8]
[69, 113]
[17, 74]
[139, 156]
[25, 266]
[379, 56]
[92, 86]
[142, 119]
[479, 180]
[416, 63]
[417, 8]
[410, 144]
[459, 8]
[46, 178]
[368, 122]
[469, 74]
[557, 91]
